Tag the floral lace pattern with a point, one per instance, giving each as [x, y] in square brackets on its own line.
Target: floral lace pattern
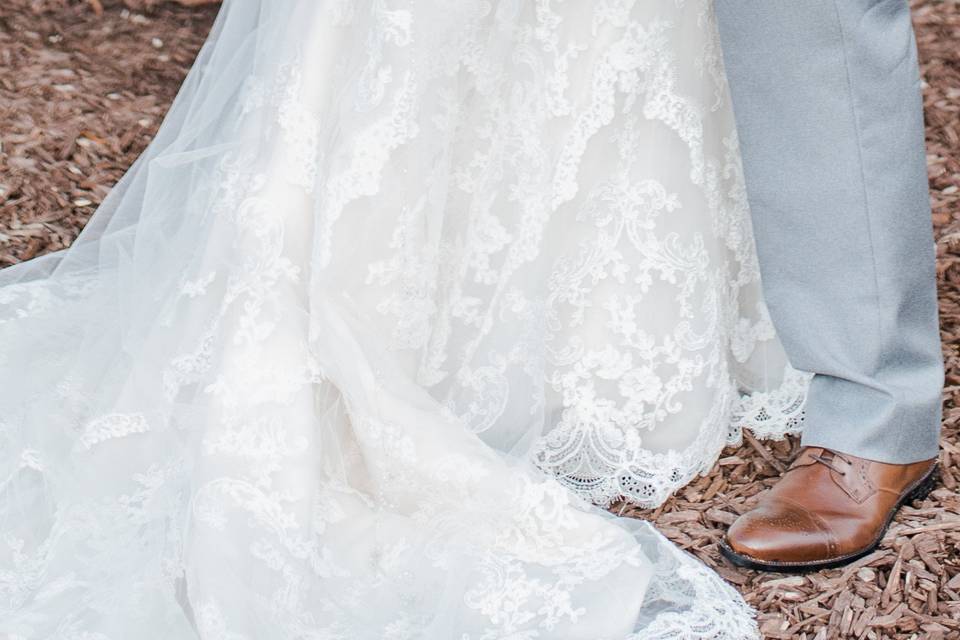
[384, 260]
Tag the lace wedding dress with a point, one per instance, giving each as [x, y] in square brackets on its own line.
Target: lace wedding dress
[386, 262]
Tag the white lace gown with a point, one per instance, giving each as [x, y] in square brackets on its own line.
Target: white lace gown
[385, 259]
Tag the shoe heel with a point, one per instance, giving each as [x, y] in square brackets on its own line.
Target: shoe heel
[927, 485]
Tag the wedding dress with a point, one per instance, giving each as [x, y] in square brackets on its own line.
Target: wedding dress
[387, 263]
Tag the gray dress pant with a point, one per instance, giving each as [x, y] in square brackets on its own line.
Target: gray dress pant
[827, 101]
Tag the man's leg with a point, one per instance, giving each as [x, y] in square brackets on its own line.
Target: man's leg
[827, 99]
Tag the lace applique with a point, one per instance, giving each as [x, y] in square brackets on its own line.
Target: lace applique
[23, 301]
[772, 414]
[301, 131]
[196, 288]
[114, 425]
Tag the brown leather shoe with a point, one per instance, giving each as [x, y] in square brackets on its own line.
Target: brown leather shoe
[827, 510]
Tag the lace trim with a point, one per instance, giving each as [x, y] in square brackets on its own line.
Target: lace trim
[718, 611]
[605, 468]
[771, 415]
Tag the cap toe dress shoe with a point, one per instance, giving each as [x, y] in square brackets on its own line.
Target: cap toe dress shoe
[827, 510]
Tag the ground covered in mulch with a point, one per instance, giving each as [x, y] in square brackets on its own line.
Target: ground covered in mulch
[80, 98]
[81, 95]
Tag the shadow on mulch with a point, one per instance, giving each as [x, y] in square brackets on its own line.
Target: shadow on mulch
[81, 96]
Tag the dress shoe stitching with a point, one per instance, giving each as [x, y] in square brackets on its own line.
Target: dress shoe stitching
[833, 561]
[900, 493]
[820, 522]
[868, 486]
[858, 493]
[910, 487]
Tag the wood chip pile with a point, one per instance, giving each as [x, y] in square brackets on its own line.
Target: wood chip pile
[82, 91]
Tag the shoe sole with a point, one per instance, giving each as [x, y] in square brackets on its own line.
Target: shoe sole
[920, 490]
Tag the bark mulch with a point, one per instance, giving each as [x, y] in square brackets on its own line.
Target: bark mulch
[81, 95]
[84, 85]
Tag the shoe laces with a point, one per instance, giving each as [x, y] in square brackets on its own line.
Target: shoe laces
[828, 462]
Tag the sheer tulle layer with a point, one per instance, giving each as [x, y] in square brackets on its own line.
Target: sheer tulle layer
[382, 260]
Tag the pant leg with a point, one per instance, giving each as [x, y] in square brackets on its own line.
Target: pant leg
[827, 100]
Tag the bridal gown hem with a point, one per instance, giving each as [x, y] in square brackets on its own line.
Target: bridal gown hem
[401, 290]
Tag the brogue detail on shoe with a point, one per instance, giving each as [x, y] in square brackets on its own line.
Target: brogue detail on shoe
[857, 483]
[827, 509]
[804, 533]
[849, 473]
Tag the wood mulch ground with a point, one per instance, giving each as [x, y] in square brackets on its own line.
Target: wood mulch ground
[83, 91]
